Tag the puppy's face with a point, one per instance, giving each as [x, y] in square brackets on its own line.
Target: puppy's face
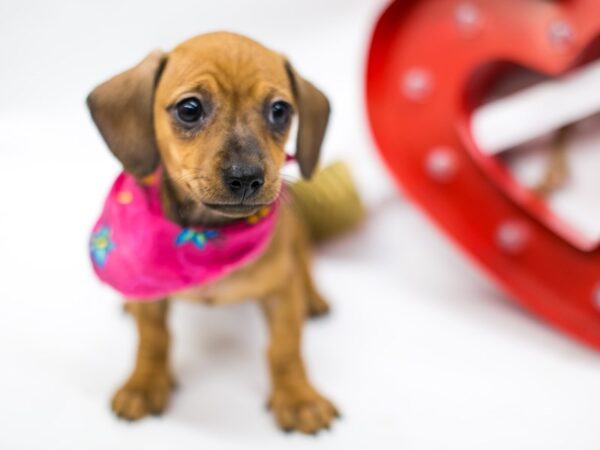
[222, 114]
[215, 113]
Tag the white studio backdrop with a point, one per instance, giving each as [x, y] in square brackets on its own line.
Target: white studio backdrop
[420, 353]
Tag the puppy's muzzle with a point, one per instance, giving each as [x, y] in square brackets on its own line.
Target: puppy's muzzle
[244, 181]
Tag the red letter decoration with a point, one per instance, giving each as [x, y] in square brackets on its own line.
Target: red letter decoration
[430, 65]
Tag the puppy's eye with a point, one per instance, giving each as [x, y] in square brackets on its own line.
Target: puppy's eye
[189, 110]
[279, 114]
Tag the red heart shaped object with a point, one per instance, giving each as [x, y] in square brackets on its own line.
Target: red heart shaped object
[430, 65]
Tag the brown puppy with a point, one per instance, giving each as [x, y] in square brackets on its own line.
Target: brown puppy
[214, 114]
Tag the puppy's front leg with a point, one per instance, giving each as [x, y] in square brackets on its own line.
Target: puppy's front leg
[147, 389]
[295, 403]
[317, 305]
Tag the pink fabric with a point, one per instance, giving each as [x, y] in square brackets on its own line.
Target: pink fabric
[140, 253]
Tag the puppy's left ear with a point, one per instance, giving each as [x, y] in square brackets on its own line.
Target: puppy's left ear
[313, 116]
[122, 110]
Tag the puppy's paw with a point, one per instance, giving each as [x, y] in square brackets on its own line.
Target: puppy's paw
[303, 409]
[317, 305]
[139, 398]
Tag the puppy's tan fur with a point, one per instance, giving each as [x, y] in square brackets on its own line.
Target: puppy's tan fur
[236, 77]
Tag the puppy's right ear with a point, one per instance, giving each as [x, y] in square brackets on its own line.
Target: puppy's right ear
[313, 114]
[122, 110]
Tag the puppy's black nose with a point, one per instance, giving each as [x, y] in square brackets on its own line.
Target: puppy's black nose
[244, 181]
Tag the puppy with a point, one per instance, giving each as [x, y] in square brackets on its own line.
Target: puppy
[212, 117]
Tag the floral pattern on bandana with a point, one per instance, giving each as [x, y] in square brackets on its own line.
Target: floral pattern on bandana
[198, 238]
[101, 245]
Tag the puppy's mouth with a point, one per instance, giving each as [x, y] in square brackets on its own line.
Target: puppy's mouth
[235, 210]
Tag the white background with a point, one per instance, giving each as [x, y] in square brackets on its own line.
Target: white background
[420, 353]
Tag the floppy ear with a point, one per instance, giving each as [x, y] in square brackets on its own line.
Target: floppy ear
[313, 115]
[122, 110]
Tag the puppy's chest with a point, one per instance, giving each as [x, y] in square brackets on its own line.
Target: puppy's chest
[252, 281]
[234, 288]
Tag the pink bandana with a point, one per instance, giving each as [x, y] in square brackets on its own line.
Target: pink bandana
[140, 253]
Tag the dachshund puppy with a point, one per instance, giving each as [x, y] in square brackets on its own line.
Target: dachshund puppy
[212, 117]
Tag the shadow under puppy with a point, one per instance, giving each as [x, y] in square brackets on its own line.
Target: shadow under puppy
[205, 126]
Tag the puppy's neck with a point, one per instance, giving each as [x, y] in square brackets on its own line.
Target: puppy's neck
[184, 211]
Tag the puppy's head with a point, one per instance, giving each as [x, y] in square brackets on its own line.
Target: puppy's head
[215, 113]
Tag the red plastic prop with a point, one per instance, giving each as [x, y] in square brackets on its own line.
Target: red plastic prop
[431, 63]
